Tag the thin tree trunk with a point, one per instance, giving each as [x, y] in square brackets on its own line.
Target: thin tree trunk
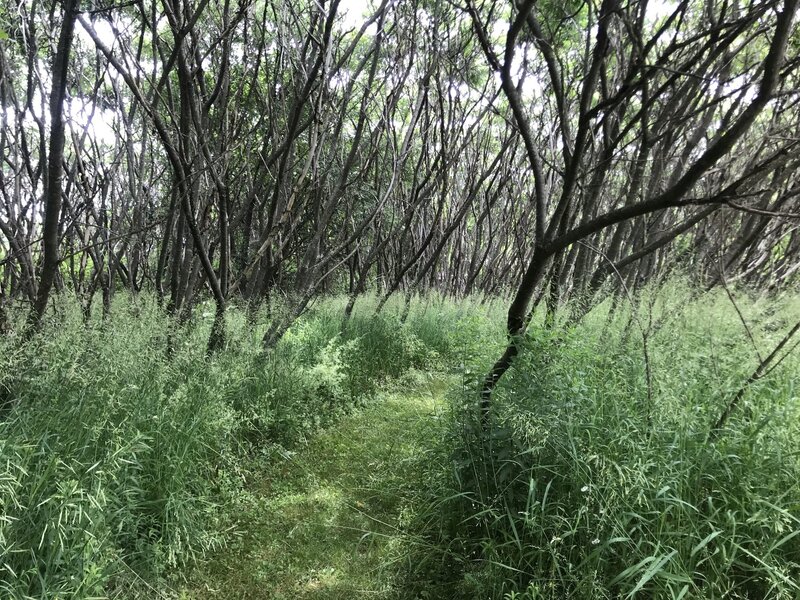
[55, 169]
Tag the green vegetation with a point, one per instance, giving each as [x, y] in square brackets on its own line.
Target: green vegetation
[588, 488]
[329, 521]
[410, 299]
[350, 461]
[123, 463]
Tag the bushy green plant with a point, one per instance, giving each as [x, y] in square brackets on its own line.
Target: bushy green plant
[106, 458]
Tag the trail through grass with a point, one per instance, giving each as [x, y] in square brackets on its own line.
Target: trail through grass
[328, 520]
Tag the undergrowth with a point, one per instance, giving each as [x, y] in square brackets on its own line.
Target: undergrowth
[124, 450]
[590, 486]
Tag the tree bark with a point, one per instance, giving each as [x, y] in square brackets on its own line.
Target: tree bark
[55, 169]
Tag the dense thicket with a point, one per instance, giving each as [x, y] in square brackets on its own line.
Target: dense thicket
[239, 150]
[221, 166]
[121, 466]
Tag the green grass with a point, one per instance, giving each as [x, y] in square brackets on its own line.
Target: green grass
[339, 466]
[588, 487]
[126, 453]
[328, 520]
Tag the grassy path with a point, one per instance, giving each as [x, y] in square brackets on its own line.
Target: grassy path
[327, 520]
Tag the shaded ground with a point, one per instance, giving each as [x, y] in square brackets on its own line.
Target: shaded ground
[327, 521]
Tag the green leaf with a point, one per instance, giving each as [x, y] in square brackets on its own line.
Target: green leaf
[652, 571]
[705, 542]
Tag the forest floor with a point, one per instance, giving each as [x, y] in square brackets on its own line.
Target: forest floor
[327, 520]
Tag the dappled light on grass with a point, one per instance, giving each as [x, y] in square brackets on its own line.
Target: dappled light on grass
[350, 461]
[328, 521]
[127, 456]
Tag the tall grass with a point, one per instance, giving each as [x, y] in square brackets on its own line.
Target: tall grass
[108, 455]
[591, 486]
[121, 462]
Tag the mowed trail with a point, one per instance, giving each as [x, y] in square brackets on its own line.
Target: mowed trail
[329, 520]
